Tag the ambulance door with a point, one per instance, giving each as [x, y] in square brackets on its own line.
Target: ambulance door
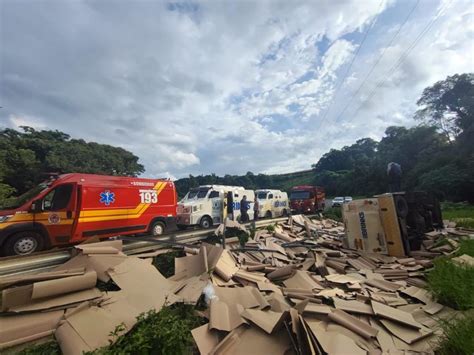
[216, 199]
[59, 212]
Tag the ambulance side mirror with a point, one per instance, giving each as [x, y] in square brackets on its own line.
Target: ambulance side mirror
[36, 206]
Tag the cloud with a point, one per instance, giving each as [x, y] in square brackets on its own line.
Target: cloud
[202, 87]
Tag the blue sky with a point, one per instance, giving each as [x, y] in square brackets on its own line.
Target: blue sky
[225, 87]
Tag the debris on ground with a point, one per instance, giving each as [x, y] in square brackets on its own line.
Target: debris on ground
[294, 288]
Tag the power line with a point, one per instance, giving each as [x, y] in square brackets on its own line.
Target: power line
[348, 68]
[378, 60]
[402, 58]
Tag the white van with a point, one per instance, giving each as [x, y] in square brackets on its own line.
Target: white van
[204, 205]
[272, 203]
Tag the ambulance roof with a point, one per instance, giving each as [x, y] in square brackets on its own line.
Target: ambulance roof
[106, 180]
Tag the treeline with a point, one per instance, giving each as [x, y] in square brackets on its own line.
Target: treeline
[27, 157]
[436, 156]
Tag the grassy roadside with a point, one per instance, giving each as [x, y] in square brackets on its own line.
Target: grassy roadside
[453, 285]
[461, 213]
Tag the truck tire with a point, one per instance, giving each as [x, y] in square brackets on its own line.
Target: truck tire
[285, 213]
[23, 243]
[206, 222]
[268, 214]
[401, 206]
[157, 228]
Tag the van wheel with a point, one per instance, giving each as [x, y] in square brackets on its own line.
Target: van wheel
[205, 223]
[285, 213]
[157, 228]
[268, 214]
[23, 243]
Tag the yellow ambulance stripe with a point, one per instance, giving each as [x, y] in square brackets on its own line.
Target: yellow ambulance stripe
[110, 215]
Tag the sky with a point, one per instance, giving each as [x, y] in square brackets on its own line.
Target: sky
[226, 87]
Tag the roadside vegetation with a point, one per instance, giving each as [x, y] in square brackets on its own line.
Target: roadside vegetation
[461, 213]
[453, 285]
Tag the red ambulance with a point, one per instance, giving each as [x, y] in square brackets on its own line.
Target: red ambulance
[70, 208]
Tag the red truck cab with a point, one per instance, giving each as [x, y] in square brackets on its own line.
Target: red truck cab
[70, 208]
[307, 199]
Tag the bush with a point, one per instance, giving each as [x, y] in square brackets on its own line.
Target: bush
[457, 336]
[165, 332]
[49, 348]
[165, 262]
[452, 284]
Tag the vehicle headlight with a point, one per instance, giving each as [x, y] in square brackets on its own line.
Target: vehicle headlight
[5, 218]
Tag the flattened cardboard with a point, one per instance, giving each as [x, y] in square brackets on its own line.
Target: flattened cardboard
[225, 317]
[226, 267]
[353, 306]
[418, 293]
[205, 339]
[269, 321]
[244, 340]
[352, 323]
[192, 290]
[395, 314]
[238, 295]
[50, 275]
[192, 265]
[433, 308]
[144, 286]
[301, 279]
[55, 287]
[334, 343]
[63, 301]
[383, 284]
[407, 334]
[25, 328]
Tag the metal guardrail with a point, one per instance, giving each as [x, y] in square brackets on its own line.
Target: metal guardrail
[43, 261]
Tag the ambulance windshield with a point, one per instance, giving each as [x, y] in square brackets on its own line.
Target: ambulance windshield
[262, 195]
[15, 202]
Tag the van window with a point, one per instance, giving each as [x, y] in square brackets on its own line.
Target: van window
[214, 194]
[270, 196]
[58, 198]
[236, 195]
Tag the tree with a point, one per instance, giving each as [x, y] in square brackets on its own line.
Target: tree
[449, 105]
[26, 157]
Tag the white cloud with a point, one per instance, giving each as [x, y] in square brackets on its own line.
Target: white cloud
[220, 87]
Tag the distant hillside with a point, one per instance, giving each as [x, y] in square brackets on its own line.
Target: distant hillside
[252, 181]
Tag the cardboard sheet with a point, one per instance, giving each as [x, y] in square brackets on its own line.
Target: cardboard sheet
[64, 285]
[353, 306]
[205, 339]
[226, 267]
[245, 296]
[9, 281]
[144, 286]
[24, 328]
[269, 321]
[246, 341]
[395, 314]
[225, 317]
[301, 279]
[408, 334]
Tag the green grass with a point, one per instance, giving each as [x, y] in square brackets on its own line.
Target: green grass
[461, 213]
[466, 247]
[457, 336]
[452, 284]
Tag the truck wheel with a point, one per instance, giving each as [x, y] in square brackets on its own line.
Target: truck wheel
[285, 213]
[206, 222]
[23, 243]
[401, 206]
[157, 228]
[268, 214]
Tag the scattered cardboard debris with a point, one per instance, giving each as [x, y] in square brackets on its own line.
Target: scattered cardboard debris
[296, 289]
